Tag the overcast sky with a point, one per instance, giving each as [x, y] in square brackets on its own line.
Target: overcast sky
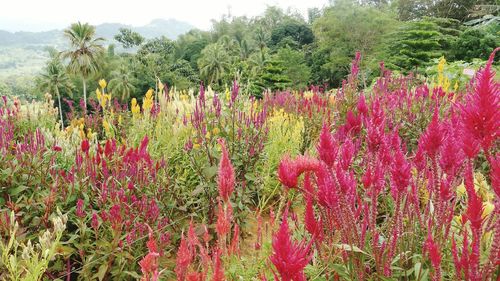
[38, 15]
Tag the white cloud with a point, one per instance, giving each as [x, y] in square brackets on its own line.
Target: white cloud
[37, 14]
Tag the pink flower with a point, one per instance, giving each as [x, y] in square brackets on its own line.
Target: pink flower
[432, 138]
[480, 114]
[223, 222]
[290, 258]
[56, 148]
[287, 172]
[183, 260]
[474, 203]
[149, 267]
[225, 177]
[327, 148]
[432, 250]
[218, 271]
[79, 208]
[95, 222]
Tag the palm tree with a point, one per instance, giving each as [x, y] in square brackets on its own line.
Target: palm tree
[84, 52]
[122, 82]
[53, 79]
[214, 62]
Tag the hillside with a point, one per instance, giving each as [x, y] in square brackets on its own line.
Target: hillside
[23, 53]
[170, 28]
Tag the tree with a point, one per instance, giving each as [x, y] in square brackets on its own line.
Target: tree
[129, 38]
[475, 43]
[414, 45]
[122, 82]
[84, 53]
[455, 9]
[53, 80]
[189, 46]
[344, 29]
[213, 63]
[299, 32]
[295, 67]
[271, 77]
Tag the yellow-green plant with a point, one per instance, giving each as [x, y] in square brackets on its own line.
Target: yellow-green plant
[285, 137]
[27, 262]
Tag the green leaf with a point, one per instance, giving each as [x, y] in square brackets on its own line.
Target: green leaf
[210, 172]
[102, 271]
[16, 190]
[341, 270]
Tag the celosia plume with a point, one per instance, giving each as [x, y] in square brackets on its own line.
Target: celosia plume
[225, 177]
[289, 257]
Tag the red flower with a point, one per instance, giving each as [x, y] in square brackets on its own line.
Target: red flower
[183, 260]
[56, 148]
[433, 250]
[218, 270]
[85, 146]
[225, 178]
[223, 222]
[149, 267]
[290, 258]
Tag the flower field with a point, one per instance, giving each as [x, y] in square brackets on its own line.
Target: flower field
[396, 181]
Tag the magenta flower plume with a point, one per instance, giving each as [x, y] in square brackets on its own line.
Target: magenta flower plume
[287, 172]
[85, 146]
[225, 177]
[290, 258]
[327, 148]
[432, 249]
[480, 114]
[432, 139]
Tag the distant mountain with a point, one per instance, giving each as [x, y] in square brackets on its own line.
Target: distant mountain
[170, 28]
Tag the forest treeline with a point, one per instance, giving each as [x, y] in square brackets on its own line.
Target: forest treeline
[277, 50]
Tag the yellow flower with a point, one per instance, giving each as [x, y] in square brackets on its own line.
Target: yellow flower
[488, 208]
[461, 189]
[119, 119]
[455, 88]
[160, 85]
[147, 104]
[149, 94]
[196, 146]
[136, 110]
[308, 95]
[105, 124]
[207, 135]
[331, 99]
[103, 83]
[216, 131]
[98, 94]
[89, 133]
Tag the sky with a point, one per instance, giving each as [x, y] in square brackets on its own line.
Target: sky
[41, 15]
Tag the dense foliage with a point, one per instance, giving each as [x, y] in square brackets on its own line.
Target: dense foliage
[361, 144]
[398, 182]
